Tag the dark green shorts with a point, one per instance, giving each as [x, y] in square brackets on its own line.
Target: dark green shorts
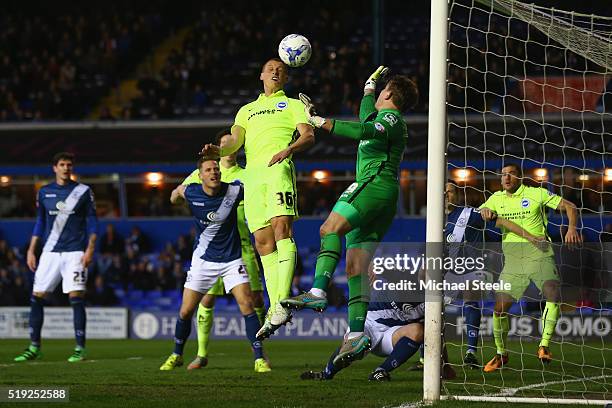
[369, 206]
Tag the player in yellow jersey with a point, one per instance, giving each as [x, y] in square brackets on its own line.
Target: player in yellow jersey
[524, 262]
[230, 171]
[271, 128]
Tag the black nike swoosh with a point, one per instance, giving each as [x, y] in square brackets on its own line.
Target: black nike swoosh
[284, 260]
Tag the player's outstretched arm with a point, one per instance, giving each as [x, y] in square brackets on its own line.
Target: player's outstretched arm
[572, 236]
[352, 130]
[177, 194]
[367, 108]
[540, 242]
[234, 142]
[487, 214]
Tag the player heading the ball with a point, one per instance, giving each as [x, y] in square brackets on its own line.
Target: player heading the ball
[267, 129]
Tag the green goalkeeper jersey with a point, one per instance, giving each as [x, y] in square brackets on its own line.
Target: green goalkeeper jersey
[382, 139]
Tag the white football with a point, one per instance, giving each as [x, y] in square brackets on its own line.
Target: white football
[294, 50]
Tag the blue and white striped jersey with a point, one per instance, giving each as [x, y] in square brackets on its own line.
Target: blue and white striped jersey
[465, 233]
[216, 222]
[396, 313]
[66, 216]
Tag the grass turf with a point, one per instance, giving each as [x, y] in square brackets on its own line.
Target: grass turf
[126, 373]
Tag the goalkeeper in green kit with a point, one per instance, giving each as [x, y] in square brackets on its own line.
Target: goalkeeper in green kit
[365, 210]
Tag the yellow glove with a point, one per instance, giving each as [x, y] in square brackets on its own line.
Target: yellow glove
[370, 85]
[313, 120]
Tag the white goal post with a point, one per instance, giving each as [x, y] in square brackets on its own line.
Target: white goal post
[525, 84]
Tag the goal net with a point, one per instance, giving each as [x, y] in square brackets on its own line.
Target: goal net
[533, 86]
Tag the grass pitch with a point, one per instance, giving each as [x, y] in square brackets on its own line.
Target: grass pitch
[124, 373]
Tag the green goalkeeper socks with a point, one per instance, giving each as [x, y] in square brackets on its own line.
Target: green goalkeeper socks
[287, 255]
[549, 318]
[501, 325]
[358, 302]
[261, 314]
[270, 266]
[328, 258]
[205, 322]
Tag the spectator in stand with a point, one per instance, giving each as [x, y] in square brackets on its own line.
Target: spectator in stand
[179, 276]
[117, 272]
[6, 288]
[112, 243]
[4, 252]
[165, 279]
[183, 249]
[137, 242]
[102, 294]
[21, 291]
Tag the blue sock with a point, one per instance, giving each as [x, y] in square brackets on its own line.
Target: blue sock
[37, 316]
[402, 351]
[252, 327]
[80, 320]
[181, 334]
[472, 314]
[330, 369]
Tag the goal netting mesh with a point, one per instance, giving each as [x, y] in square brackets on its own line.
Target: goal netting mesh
[532, 85]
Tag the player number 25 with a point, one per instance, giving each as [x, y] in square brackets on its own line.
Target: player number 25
[285, 199]
[79, 276]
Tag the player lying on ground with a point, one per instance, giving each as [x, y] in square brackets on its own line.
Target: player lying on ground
[524, 262]
[230, 171]
[396, 332]
[66, 223]
[267, 127]
[217, 254]
[367, 207]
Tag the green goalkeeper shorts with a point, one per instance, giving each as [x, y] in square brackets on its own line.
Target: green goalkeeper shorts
[369, 206]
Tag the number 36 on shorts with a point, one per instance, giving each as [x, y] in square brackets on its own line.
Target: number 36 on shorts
[287, 198]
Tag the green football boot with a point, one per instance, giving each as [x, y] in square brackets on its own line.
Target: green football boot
[78, 355]
[31, 353]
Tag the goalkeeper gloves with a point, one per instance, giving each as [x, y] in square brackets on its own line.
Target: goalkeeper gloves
[370, 85]
[313, 120]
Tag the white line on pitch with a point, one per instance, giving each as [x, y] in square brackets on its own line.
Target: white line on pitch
[512, 391]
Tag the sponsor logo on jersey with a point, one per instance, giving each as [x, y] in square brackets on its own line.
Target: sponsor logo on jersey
[50, 195]
[264, 112]
[198, 204]
[281, 105]
[461, 222]
[450, 237]
[61, 209]
[212, 216]
[525, 203]
[379, 127]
